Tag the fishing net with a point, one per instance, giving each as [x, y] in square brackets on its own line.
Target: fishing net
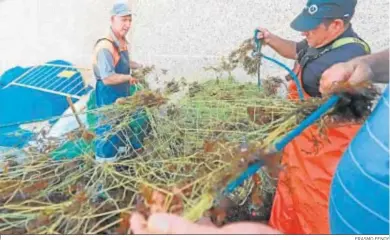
[190, 150]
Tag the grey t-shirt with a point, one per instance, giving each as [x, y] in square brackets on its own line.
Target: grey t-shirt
[104, 65]
[312, 72]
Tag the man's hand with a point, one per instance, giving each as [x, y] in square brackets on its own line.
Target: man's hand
[116, 79]
[357, 73]
[135, 65]
[264, 35]
[349, 76]
[162, 223]
[284, 47]
[133, 80]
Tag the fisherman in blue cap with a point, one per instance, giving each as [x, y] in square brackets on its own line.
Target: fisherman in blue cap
[112, 70]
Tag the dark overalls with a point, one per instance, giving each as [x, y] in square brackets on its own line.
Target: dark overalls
[107, 146]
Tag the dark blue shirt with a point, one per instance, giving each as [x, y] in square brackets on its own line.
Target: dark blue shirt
[313, 70]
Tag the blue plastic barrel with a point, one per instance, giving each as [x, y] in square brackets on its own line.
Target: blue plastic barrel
[359, 197]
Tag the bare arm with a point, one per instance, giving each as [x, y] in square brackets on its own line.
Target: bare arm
[283, 47]
[162, 223]
[116, 79]
[105, 64]
[379, 65]
[356, 73]
[135, 65]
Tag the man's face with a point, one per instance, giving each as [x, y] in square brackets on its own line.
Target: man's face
[317, 36]
[121, 25]
[324, 33]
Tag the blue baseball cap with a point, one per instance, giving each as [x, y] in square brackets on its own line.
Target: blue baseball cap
[316, 11]
[121, 10]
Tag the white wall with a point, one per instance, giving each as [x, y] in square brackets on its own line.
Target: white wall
[180, 35]
[36, 31]
[184, 35]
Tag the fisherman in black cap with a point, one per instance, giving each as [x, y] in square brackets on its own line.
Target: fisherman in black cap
[301, 200]
[302, 197]
[329, 39]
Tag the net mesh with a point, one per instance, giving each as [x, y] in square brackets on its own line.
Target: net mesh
[190, 151]
[175, 156]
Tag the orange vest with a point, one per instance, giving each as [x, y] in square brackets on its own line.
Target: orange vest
[108, 43]
[301, 199]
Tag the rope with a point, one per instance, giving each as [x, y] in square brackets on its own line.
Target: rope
[257, 53]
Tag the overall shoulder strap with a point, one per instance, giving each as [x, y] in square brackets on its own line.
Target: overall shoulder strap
[338, 43]
[109, 40]
[351, 40]
[109, 44]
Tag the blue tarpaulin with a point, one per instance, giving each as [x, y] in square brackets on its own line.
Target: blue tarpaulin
[19, 104]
